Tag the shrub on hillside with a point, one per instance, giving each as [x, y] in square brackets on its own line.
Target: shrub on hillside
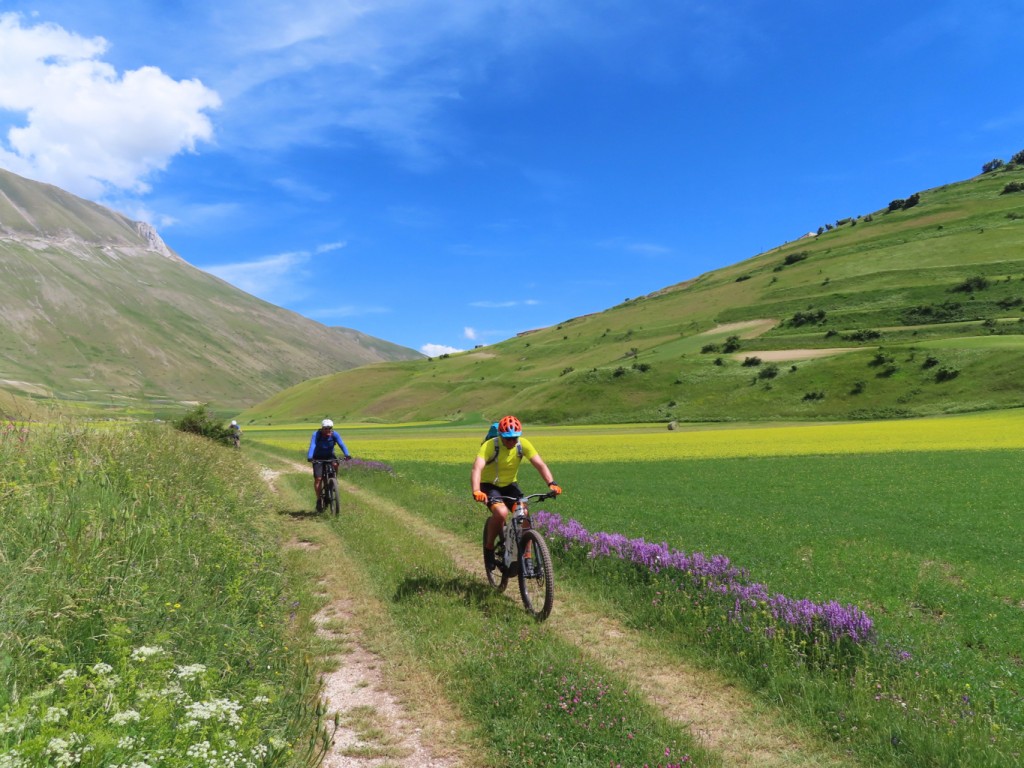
[992, 165]
[731, 344]
[865, 334]
[1013, 186]
[899, 204]
[946, 374]
[768, 372]
[199, 421]
[971, 284]
[933, 313]
[813, 316]
[709, 348]
[1018, 159]
[930, 362]
[751, 362]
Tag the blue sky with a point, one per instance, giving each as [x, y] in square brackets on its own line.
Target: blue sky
[443, 174]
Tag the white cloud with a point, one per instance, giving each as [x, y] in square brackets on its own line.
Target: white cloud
[328, 247]
[348, 310]
[469, 333]
[83, 126]
[433, 350]
[264, 277]
[631, 246]
[504, 304]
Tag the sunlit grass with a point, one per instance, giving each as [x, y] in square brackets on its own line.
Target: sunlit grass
[983, 431]
[145, 616]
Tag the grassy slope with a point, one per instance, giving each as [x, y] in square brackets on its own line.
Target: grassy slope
[93, 315]
[895, 273]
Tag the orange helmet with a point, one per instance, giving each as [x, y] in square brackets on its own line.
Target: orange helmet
[510, 426]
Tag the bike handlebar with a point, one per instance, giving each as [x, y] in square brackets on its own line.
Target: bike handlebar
[532, 496]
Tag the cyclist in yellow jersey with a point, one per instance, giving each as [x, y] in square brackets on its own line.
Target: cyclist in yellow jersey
[496, 470]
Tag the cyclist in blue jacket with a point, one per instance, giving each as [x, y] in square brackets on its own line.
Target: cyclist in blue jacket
[321, 448]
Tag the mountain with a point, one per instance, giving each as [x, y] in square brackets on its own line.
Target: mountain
[98, 310]
[913, 309]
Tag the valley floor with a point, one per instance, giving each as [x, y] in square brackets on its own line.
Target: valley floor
[391, 712]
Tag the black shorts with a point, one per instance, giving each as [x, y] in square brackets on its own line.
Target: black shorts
[496, 494]
[318, 467]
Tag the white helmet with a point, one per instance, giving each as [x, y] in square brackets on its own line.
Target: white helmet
[326, 423]
[234, 423]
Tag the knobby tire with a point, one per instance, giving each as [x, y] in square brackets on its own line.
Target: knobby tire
[332, 490]
[497, 577]
[538, 593]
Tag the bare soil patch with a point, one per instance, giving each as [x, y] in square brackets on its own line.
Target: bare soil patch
[748, 329]
[374, 729]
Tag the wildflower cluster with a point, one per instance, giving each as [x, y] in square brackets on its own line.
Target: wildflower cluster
[368, 465]
[716, 576]
[146, 712]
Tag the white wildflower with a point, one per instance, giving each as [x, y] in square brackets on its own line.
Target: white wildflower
[54, 715]
[13, 760]
[101, 669]
[261, 700]
[143, 652]
[127, 716]
[222, 710]
[67, 674]
[190, 671]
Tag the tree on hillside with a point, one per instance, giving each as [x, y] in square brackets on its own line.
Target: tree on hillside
[1018, 159]
[992, 165]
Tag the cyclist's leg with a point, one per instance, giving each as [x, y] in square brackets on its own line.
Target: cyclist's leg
[499, 513]
[318, 478]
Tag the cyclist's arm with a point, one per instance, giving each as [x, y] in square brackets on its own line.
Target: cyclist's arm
[312, 447]
[474, 475]
[542, 468]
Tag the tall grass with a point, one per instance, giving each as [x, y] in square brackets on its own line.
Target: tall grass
[145, 616]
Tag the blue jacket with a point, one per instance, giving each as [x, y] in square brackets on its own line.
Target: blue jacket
[321, 447]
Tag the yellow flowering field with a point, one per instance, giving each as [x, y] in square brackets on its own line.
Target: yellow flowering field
[992, 430]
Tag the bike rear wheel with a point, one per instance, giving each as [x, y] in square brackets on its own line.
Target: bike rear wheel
[538, 588]
[497, 577]
[335, 499]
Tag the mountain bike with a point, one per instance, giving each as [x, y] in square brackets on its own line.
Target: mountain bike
[521, 551]
[329, 486]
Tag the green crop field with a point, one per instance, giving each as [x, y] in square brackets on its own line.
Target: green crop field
[914, 525]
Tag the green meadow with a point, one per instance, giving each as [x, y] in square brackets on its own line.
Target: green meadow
[927, 543]
[155, 614]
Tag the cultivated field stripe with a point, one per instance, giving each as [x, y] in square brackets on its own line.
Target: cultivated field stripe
[720, 716]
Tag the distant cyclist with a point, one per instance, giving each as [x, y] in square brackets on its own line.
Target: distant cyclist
[321, 448]
[236, 433]
[501, 457]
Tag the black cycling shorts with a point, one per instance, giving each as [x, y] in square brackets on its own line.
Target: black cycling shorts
[496, 494]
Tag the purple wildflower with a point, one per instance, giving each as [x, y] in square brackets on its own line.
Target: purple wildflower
[716, 575]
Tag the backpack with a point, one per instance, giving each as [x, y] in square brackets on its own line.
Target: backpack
[492, 434]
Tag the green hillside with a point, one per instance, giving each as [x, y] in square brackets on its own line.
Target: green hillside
[99, 313]
[914, 309]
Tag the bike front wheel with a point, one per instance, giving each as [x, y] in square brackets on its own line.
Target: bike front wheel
[497, 576]
[332, 493]
[536, 579]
